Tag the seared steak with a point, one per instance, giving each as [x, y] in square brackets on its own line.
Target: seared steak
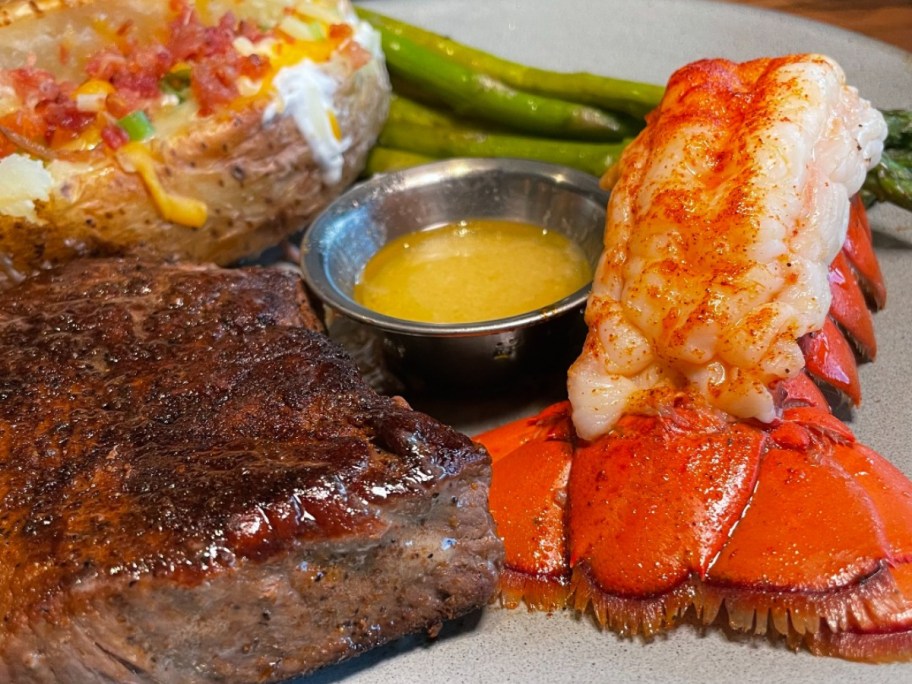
[195, 485]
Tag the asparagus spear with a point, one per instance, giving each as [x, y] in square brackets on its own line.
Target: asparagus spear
[612, 94]
[890, 181]
[476, 95]
[405, 110]
[902, 156]
[594, 158]
[899, 128]
[383, 159]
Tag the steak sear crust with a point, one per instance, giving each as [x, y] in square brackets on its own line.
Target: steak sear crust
[196, 485]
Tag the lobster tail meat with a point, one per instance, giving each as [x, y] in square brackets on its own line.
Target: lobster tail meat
[697, 468]
[727, 212]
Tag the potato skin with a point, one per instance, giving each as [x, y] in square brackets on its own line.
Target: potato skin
[259, 180]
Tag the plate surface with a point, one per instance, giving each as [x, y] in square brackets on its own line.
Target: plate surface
[647, 40]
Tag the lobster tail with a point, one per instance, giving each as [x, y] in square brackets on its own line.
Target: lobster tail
[529, 503]
[831, 354]
[702, 472]
[859, 250]
[792, 528]
[817, 551]
[829, 359]
[848, 308]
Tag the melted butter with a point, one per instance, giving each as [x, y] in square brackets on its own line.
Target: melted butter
[470, 271]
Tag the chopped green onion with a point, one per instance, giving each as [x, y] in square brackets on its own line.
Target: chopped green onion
[176, 83]
[137, 125]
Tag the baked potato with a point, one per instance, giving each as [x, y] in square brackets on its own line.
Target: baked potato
[202, 131]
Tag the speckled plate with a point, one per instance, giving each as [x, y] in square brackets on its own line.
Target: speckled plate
[646, 40]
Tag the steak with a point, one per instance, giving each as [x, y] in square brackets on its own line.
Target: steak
[196, 485]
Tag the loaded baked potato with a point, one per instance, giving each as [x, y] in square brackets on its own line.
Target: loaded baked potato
[203, 131]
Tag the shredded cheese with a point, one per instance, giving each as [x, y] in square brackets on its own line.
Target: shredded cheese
[334, 124]
[135, 157]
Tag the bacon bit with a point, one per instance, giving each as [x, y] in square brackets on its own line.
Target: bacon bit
[49, 115]
[121, 103]
[342, 37]
[249, 30]
[114, 136]
[213, 84]
[65, 122]
[33, 85]
[340, 32]
[125, 28]
[190, 39]
[254, 66]
[356, 55]
[138, 72]
[216, 64]
[17, 127]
